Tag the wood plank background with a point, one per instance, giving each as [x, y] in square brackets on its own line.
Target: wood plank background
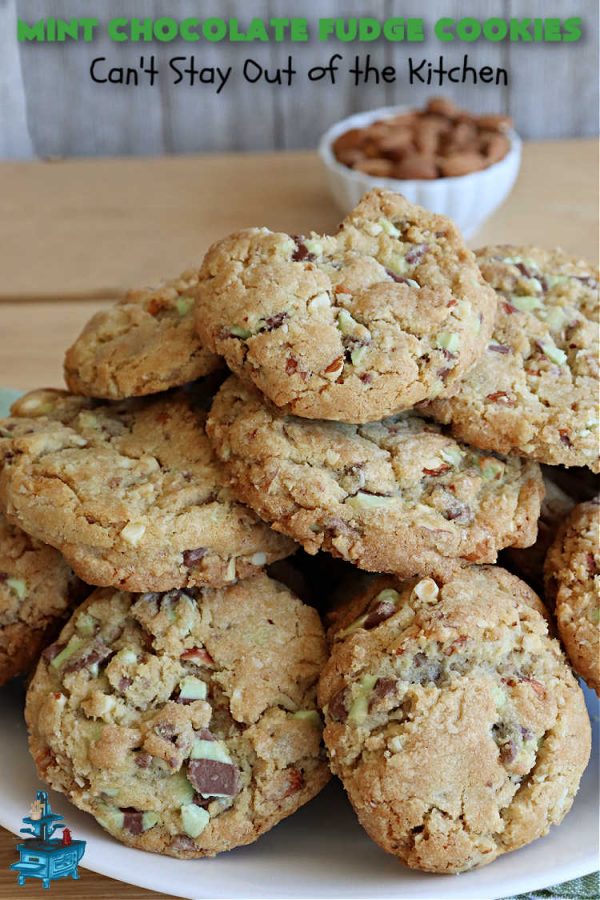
[49, 106]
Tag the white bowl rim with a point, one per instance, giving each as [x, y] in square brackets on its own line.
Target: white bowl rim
[386, 112]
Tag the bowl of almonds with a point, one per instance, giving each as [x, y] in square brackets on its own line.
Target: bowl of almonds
[442, 157]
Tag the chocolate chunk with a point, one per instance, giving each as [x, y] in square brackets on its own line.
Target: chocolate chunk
[199, 800]
[191, 557]
[508, 751]
[170, 599]
[147, 639]
[459, 513]
[337, 706]
[335, 526]
[143, 760]
[132, 820]
[416, 254]
[397, 278]
[525, 270]
[301, 252]
[384, 687]
[591, 564]
[499, 348]
[94, 653]
[205, 735]
[587, 280]
[183, 842]
[425, 669]
[564, 437]
[52, 651]
[124, 683]
[3, 576]
[211, 777]
[166, 731]
[379, 614]
[275, 321]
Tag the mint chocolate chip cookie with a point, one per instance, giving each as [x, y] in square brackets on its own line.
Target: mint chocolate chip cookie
[535, 391]
[38, 590]
[453, 719]
[400, 495]
[528, 562]
[144, 344]
[390, 311]
[185, 722]
[572, 574]
[130, 493]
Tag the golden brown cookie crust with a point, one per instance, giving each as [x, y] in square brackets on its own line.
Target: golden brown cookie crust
[535, 390]
[388, 312]
[572, 574]
[452, 719]
[144, 344]
[399, 496]
[37, 592]
[185, 722]
[528, 562]
[130, 493]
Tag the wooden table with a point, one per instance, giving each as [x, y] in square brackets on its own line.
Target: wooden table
[74, 235]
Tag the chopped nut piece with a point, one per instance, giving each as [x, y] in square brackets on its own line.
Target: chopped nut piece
[426, 590]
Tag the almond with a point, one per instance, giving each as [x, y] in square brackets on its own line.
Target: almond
[461, 164]
[416, 165]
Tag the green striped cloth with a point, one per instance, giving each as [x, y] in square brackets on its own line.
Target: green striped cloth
[586, 888]
[6, 398]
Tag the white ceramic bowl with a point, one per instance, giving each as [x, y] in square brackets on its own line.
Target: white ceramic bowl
[467, 199]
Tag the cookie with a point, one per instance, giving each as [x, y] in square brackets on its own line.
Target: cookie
[130, 492]
[534, 393]
[528, 562]
[572, 573]
[453, 720]
[144, 344]
[396, 496]
[37, 592]
[184, 722]
[388, 312]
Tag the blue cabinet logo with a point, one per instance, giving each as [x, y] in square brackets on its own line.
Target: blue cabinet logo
[42, 856]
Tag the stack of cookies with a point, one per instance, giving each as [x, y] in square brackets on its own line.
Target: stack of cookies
[389, 399]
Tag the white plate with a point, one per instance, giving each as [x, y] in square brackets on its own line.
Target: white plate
[320, 852]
